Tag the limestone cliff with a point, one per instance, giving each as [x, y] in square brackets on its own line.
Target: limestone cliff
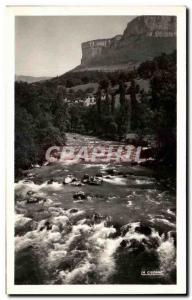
[151, 26]
[95, 48]
[144, 38]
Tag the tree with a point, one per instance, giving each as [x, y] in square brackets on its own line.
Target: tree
[69, 83]
[25, 148]
[162, 103]
[35, 126]
[85, 79]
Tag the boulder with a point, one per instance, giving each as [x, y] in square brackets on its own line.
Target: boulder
[143, 229]
[95, 181]
[125, 175]
[31, 197]
[111, 171]
[79, 196]
[29, 193]
[99, 175]
[96, 218]
[35, 166]
[31, 200]
[136, 246]
[74, 179]
[77, 183]
[85, 178]
[38, 180]
[47, 225]
[123, 243]
[108, 177]
[27, 181]
[50, 181]
[69, 179]
[30, 174]
[73, 210]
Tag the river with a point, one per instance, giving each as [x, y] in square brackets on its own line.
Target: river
[120, 232]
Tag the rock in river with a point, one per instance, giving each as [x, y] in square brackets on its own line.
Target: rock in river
[95, 181]
[79, 196]
[143, 229]
[69, 179]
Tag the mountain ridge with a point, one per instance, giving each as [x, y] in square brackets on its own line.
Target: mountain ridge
[31, 79]
[144, 38]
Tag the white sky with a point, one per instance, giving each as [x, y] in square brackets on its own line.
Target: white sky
[50, 46]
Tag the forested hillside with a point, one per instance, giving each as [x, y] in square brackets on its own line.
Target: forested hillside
[42, 116]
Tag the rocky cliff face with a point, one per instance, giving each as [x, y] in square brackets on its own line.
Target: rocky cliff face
[95, 48]
[144, 38]
[151, 26]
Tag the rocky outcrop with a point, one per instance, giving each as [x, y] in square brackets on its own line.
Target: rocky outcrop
[151, 26]
[144, 38]
[94, 48]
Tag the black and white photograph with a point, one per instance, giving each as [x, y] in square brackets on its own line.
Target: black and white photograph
[98, 135]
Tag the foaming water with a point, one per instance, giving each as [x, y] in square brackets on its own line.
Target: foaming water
[20, 220]
[129, 203]
[64, 239]
[144, 181]
[167, 256]
[23, 186]
[71, 247]
[120, 229]
[101, 166]
[164, 221]
[115, 180]
[170, 212]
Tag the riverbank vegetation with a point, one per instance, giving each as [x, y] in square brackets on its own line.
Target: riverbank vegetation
[42, 116]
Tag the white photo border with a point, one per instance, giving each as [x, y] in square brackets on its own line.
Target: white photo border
[180, 286]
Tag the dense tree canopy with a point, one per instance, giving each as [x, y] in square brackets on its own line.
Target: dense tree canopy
[42, 116]
[36, 127]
